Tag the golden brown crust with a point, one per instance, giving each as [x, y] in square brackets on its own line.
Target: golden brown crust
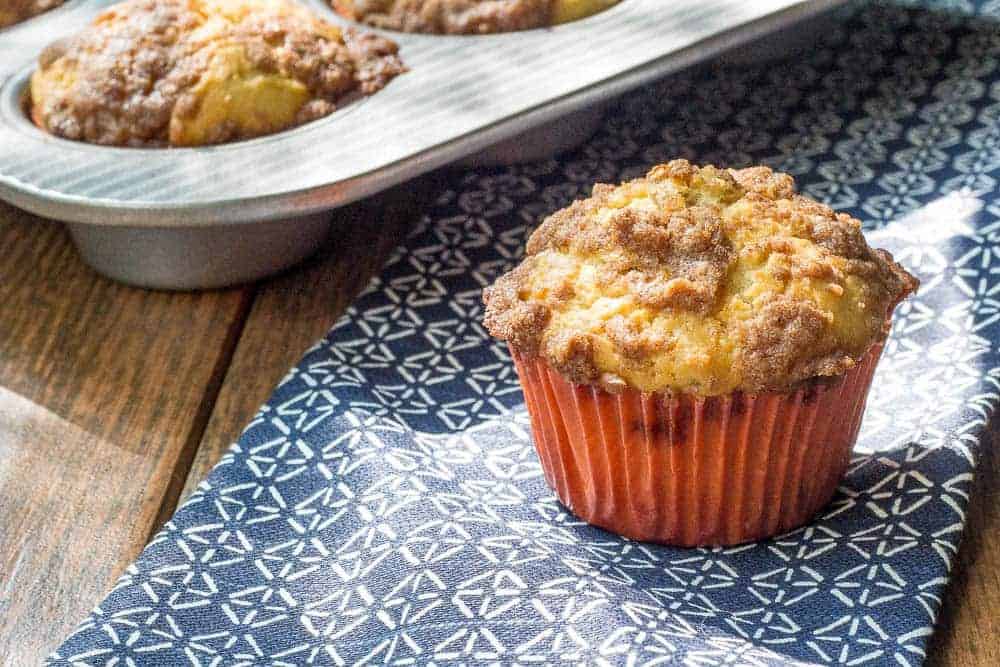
[700, 280]
[452, 17]
[512, 318]
[15, 11]
[775, 339]
[137, 68]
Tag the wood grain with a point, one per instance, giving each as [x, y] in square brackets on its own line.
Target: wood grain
[969, 630]
[103, 390]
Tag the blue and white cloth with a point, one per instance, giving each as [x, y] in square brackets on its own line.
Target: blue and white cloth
[386, 505]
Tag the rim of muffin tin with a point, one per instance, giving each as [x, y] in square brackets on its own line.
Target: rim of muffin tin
[292, 200]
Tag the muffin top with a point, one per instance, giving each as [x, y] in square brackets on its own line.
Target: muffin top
[193, 72]
[698, 280]
[15, 11]
[458, 17]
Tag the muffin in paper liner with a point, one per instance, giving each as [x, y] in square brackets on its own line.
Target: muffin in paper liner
[696, 347]
[695, 471]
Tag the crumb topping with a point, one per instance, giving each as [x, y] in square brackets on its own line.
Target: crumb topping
[15, 11]
[463, 17]
[698, 280]
[193, 72]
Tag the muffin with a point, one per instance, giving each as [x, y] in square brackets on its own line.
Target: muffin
[15, 11]
[463, 17]
[196, 72]
[695, 349]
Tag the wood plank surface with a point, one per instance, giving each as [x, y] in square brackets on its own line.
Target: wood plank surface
[969, 631]
[104, 389]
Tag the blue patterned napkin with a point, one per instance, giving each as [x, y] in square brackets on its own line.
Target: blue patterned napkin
[386, 505]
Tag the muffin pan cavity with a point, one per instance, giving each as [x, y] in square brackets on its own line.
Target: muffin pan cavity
[461, 96]
[157, 73]
[15, 110]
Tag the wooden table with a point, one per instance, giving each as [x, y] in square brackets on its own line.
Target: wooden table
[115, 402]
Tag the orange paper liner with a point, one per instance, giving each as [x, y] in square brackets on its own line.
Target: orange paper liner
[690, 471]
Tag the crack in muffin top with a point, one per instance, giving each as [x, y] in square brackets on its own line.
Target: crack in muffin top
[467, 17]
[698, 280]
[15, 11]
[194, 72]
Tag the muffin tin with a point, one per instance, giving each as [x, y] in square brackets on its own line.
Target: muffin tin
[186, 218]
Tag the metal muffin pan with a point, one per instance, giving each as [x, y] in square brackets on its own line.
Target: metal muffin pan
[187, 218]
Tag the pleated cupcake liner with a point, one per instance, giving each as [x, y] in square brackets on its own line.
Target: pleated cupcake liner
[694, 471]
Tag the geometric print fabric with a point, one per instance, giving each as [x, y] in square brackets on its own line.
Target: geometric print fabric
[386, 505]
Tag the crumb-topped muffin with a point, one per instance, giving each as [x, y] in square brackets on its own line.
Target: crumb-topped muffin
[696, 319]
[15, 11]
[195, 72]
[464, 17]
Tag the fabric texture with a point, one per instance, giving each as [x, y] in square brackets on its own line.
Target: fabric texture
[386, 505]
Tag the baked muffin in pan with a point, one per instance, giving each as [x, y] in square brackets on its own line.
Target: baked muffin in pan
[15, 11]
[696, 347]
[467, 17]
[197, 72]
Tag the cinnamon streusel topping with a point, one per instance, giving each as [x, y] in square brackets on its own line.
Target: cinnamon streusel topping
[467, 16]
[698, 280]
[192, 72]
